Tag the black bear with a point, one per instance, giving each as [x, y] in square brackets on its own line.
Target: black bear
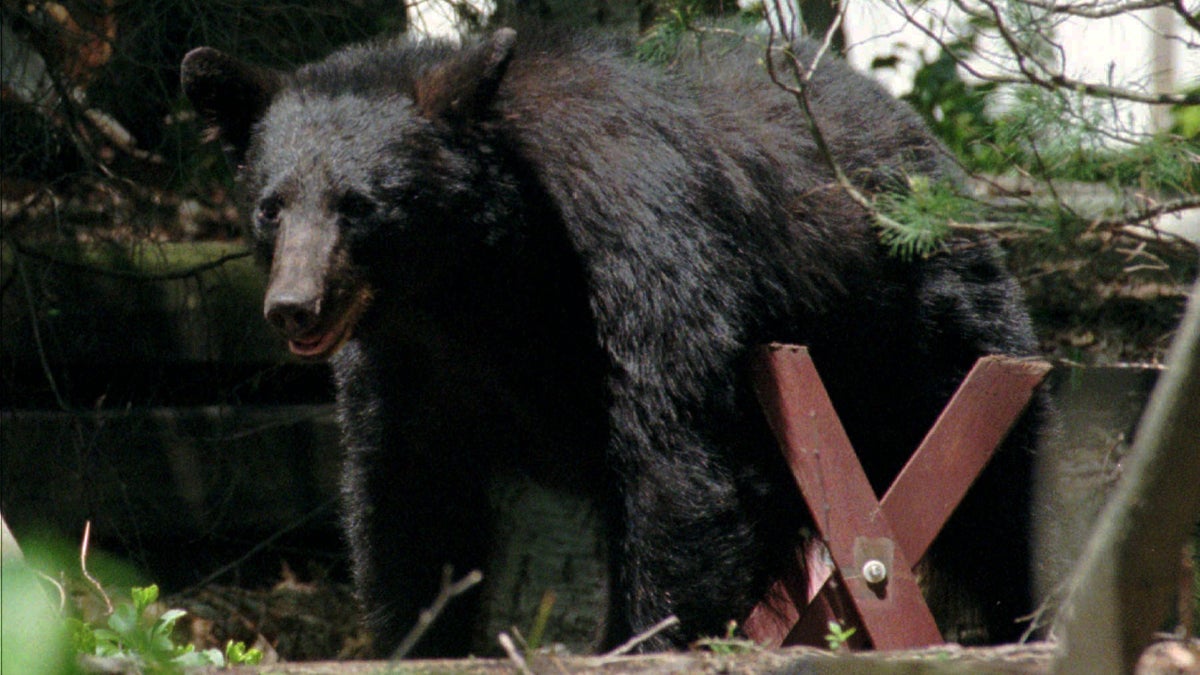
[541, 254]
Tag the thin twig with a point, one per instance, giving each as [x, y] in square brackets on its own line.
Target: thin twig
[321, 508]
[83, 553]
[37, 337]
[802, 77]
[638, 639]
[1051, 82]
[58, 585]
[449, 591]
[1162, 209]
[1095, 10]
[514, 654]
[173, 275]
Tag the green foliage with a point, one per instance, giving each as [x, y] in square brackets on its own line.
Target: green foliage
[927, 212]
[49, 552]
[955, 109]
[924, 213]
[137, 632]
[33, 640]
[730, 645]
[1187, 119]
[36, 640]
[1056, 134]
[1048, 134]
[665, 40]
[238, 654]
[660, 44]
[838, 635]
[1163, 164]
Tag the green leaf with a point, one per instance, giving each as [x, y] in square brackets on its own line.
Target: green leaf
[82, 636]
[144, 597]
[108, 647]
[166, 622]
[160, 644]
[105, 635]
[123, 621]
[171, 616]
[236, 654]
[192, 659]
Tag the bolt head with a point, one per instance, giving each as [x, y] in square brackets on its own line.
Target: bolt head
[874, 572]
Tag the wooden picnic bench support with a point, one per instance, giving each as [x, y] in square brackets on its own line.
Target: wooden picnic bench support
[874, 544]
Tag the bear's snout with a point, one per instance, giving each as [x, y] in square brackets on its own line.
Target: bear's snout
[291, 314]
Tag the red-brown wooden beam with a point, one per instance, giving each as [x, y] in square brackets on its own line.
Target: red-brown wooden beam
[955, 451]
[921, 499]
[843, 505]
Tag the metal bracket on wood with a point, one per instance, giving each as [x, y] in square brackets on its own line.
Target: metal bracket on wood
[874, 543]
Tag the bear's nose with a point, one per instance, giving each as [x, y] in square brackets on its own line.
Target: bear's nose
[293, 316]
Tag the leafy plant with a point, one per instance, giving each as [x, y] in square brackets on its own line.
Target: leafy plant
[838, 635]
[664, 41]
[728, 645]
[137, 633]
[1187, 119]
[238, 654]
[955, 109]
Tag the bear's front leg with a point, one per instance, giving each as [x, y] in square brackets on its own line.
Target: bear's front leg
[690, 547]
[412, 503]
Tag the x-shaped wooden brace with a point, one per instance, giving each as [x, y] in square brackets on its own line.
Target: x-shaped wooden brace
[874, 544]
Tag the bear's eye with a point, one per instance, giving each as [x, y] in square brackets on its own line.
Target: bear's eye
[266, 217]
[356, 206]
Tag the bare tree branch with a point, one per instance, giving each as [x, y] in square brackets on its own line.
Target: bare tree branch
[450, 589]
[632, 643]
[1051, 81]
[1096, 10]
[32, 306]
[261, 545]
[1192, 18]
[1141, 216]
[83, 554]
[513, 653]
[802, 76]
[131, 275]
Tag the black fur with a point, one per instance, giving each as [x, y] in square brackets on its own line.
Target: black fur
[563, 260]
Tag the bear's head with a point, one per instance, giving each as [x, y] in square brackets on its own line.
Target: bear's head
[366, 174]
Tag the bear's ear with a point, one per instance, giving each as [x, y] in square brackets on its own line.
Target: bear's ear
[461, 89]
[230, 95]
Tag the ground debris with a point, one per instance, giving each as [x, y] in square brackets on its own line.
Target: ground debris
[1167, 656]
[292, 621]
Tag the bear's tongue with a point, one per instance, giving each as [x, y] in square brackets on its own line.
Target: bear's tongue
[313, 346]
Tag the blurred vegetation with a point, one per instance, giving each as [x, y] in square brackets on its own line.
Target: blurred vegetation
[33, 637]
[1039, 131]
[61, 603]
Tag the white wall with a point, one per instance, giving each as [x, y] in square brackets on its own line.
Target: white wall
[1120, 50]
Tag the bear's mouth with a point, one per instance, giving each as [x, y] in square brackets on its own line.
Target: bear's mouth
[326, 341]
[319, 346]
